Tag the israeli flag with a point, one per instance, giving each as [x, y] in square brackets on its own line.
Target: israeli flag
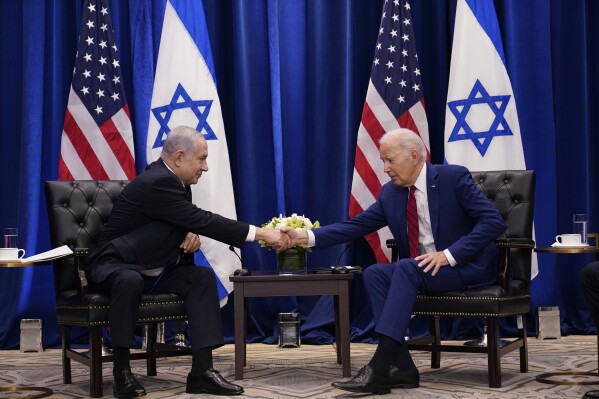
[482, 131]
[185, 93]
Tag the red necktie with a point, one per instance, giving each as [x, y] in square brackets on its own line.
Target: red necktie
[412, 216]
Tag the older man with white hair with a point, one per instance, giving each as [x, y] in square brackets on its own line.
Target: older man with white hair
[445, 229]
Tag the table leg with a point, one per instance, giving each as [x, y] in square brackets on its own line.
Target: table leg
[239, 316]
[344, 327]
[337, 328]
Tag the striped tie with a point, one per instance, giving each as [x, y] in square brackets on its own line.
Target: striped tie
[412, 216]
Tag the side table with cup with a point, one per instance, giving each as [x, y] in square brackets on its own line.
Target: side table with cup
[10, 256]
[572, 244]
[10, 250]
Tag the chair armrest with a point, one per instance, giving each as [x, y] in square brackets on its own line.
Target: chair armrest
[504, 268]
[391, 243]
[515, 243]
[80, 254]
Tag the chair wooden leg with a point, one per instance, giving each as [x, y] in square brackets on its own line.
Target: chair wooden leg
[95, 355]
[493, 355]
[524, 348]
[436, 333]
[151, 349]
[66, 361]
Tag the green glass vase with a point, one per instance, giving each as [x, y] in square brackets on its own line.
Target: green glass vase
[292, 261]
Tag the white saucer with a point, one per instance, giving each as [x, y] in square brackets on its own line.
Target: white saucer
[559, 244]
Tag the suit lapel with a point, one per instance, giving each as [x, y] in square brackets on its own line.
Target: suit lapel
[432, 184]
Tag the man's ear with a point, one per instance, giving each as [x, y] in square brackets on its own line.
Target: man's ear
[414, 156]
[179, 158]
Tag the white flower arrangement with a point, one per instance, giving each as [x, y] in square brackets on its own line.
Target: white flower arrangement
[294, 221]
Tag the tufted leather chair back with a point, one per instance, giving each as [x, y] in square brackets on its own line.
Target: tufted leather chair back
[513, 194]
[77, 211]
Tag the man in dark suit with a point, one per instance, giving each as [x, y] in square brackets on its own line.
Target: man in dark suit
[445, 229]
[145, 247]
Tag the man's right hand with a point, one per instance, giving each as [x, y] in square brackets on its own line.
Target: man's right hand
[274, 238]
[295, 236]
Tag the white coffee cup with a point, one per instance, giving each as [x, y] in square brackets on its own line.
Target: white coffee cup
[11, 253]
[569, 239]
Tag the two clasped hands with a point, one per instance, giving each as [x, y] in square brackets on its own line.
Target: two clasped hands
[282, 239]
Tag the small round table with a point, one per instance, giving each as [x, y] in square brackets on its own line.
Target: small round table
[547, 378]
[23, 392]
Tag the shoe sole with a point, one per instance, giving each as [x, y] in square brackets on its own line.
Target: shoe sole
[200, 390]
[406, 386]
[376, 391]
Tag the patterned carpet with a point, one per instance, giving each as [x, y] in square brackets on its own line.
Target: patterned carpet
[307, 372]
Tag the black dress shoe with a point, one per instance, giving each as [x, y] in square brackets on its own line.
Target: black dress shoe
[406, 379]
[591, 395]
[211, 382]
[365, 382]
[126, 386]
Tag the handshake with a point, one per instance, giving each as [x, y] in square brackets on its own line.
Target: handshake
[283, 238]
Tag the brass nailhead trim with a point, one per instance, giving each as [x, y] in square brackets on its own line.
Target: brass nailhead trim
[470, 298]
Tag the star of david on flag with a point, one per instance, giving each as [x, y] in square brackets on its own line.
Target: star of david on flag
[482, 131]
[181, 100]
[184, 93]
[462, 129]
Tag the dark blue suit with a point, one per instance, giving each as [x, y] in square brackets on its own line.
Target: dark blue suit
[463, 220]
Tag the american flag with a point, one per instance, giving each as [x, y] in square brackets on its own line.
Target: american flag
[394, 99]
[97, 139]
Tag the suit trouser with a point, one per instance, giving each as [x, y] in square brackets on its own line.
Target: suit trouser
[589, 281]
[195, 284]
[392, 290]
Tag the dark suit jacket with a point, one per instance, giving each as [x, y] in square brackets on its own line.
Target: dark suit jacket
[463, 220]
[149, 221]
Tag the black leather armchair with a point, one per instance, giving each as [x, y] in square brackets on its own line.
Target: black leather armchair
[512, 192]
[77, 211]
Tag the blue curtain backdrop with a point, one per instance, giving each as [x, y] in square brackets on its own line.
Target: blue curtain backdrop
[292, 77]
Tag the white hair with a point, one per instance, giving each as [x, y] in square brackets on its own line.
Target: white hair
[405, 140]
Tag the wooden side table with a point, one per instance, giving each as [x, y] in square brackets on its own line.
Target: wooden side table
[265, 284]
[548, 378]
[24, 391]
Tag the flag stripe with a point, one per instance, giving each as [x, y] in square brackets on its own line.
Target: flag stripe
[119, 147]
[72, 161]
[368, 176]
[83, 149]
[63, 171]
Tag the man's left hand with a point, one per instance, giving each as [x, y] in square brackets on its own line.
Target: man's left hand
[191, 243]
[433, 260]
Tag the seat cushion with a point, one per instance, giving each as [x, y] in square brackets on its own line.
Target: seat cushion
[93, 311]
[477, 302]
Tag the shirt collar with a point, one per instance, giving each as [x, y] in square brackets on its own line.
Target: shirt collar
[420, 183]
